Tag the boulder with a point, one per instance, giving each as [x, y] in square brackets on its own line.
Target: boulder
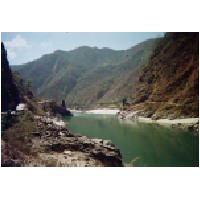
[148, 114]
[155, 117]
[172, 116]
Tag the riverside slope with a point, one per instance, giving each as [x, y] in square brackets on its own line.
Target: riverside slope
[168, 86]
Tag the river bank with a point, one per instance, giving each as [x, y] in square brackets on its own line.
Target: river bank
[184, 123]
[190, 124]
[45, 141]
[97, 111]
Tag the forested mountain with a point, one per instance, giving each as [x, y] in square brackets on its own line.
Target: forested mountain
[86, 75]
[169, 83]
[161, 75]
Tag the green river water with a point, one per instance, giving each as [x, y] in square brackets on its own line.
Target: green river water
[151, 145]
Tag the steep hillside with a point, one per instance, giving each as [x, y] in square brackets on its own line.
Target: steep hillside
[169, 83]
[14, 89]
[9, 92]
[86, 75]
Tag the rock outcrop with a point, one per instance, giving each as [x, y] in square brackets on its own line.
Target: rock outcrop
[53, 108]
[53, 145]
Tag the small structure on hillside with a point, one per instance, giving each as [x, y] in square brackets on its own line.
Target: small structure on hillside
[22, 107]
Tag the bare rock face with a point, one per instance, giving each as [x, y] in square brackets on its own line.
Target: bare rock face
[170, 81]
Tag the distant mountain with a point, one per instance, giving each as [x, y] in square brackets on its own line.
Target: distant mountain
[169, 83]
[86, 75]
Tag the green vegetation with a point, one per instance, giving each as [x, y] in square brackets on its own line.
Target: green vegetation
[86, 75]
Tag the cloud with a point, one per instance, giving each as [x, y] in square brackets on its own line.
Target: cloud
[45, 44]
[16, 45]
[11, 54]
[17, 42]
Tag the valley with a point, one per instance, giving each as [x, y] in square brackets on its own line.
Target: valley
[87, 75]
[120, 96]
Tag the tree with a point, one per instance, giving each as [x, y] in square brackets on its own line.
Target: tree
[63, 103]
[29, 82]
[124, 101]
[21, 81]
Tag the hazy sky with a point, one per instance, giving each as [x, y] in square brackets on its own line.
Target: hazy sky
[27, 46]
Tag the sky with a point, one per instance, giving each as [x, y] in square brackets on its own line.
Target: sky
[23, 47]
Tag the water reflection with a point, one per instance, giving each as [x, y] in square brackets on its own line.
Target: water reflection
[153, 144]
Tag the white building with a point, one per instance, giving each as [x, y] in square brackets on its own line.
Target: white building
[22, 107]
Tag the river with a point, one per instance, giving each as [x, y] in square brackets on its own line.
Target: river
[151, 145]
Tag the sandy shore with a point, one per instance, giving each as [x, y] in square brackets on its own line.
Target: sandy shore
[97, 112]
[185, 123]
[170, 122]
[102, 112]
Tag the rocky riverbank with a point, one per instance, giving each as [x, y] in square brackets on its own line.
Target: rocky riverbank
[190, 124]
[52, 144]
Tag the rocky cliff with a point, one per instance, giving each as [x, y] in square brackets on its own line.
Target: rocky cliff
[169, 83]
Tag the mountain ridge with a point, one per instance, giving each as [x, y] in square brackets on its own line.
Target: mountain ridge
[77, 75]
